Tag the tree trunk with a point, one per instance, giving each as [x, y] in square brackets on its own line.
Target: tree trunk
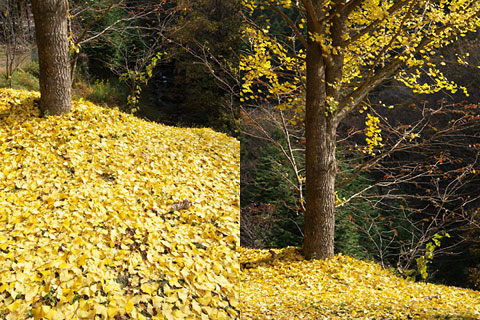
[53, 52]
[320, 133]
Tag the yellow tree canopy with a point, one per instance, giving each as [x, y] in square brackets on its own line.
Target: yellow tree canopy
[369, 40]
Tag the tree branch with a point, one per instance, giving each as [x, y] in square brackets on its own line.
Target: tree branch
[290, 23]
[396, 7]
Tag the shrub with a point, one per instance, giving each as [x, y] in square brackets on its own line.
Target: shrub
[33, 68]
[107, 92]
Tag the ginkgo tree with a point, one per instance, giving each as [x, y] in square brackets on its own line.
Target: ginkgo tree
[338, 52]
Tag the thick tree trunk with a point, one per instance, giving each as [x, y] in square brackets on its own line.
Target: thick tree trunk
[320, 133]
[53, 52]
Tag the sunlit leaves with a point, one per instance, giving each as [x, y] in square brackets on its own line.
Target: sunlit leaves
[373, 134]
[268, 65]
[379, 37]
[280, 284]
[87, 228]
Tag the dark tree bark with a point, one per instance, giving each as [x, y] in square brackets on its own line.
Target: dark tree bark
[53, 52]
[321, 123]
[320, 184]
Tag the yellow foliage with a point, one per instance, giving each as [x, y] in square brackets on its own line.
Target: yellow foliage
[268, 61]
[280, 284]
[373, 134]
[378, 36]
[88, 226]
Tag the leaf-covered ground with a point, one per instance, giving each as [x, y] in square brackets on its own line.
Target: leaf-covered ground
[88, 226]
[280, 284]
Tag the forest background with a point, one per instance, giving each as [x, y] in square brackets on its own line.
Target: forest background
[157, 58]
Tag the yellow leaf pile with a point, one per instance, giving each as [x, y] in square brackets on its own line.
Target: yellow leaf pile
[107, 216]
[280, 284]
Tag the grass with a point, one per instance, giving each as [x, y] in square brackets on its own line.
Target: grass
[20, 80]
[24, 77]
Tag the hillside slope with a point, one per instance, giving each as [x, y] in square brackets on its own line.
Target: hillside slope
[104, 215]
[280, 284]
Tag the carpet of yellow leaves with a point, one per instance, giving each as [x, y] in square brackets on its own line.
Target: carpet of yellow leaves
[87, 228]
[280, 284]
